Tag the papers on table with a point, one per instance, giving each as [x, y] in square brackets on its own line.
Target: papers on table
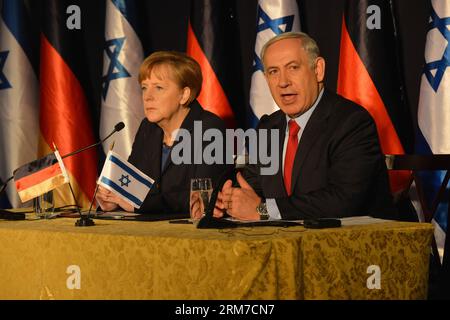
[362, 220]
[350, 221]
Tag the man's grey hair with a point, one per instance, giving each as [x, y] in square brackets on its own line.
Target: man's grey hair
[308, 44]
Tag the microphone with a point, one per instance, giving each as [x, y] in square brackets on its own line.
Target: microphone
[119, 126]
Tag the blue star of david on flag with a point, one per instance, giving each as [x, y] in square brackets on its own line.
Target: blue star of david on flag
[119, 171]
[114, 64]
[124, 180]
[4, 83]
[441, 65]
[274, 17]
[274, 25]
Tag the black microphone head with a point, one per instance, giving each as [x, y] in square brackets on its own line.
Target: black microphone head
[119, 126]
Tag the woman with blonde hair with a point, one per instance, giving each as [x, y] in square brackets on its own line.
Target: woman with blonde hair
[170, 82]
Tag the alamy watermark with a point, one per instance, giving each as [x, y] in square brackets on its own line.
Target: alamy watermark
[73, 21]
[212, 147]
[74, 279]
[374, 280]
[374, 20]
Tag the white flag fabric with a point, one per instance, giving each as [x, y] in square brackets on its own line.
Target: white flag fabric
[19, 95]
[274, 17]
[121, 92]
[125, 180]
[434, 107]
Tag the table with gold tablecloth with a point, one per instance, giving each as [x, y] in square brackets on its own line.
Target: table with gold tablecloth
[53, 259]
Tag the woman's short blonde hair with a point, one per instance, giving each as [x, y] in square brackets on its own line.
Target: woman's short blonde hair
[186, 72]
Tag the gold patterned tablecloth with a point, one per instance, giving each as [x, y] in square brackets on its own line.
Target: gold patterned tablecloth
[157, 260]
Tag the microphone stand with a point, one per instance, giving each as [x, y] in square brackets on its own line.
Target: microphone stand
[84, 221]
[87, 221]
[209, 221]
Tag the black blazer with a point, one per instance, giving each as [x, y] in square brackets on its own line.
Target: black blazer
[170, 193]
[339, 169]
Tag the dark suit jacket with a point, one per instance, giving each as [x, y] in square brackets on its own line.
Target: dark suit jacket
[339, 169]
[170, 193]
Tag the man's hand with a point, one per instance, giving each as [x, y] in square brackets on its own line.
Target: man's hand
[196, 205]
[241, 202]
[220, 209]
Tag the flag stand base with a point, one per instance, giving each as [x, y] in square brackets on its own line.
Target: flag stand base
[84, 221]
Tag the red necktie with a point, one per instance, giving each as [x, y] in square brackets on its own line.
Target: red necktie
[290, 154]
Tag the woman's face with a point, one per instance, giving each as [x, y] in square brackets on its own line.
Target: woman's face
[162, 96]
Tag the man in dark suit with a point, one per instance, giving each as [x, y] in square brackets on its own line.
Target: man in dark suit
[330, 159]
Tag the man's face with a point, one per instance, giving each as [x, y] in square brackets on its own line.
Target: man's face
[293, 82]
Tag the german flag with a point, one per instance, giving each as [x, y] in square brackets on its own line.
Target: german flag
[40, 176]
[64, 113]
[369, 74]
[213, 41]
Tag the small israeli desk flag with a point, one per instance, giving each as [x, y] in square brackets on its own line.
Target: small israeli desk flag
[125, 180]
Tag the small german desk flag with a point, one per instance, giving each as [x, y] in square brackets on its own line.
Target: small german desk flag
[40, 176]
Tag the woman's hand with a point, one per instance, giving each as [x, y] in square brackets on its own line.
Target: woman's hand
[109, 201]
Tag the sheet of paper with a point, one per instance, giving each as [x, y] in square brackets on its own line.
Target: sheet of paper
[350, 221]
[117, 214]
[362, 220]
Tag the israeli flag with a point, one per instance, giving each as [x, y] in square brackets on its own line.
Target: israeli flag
[125, 180]
[19, 93]
[274, 17]
[434, 109]
[121, 92]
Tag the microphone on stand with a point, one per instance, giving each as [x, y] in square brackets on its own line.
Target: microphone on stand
[97, 185]
[119, 126]
[85, 220]
[209, 221]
